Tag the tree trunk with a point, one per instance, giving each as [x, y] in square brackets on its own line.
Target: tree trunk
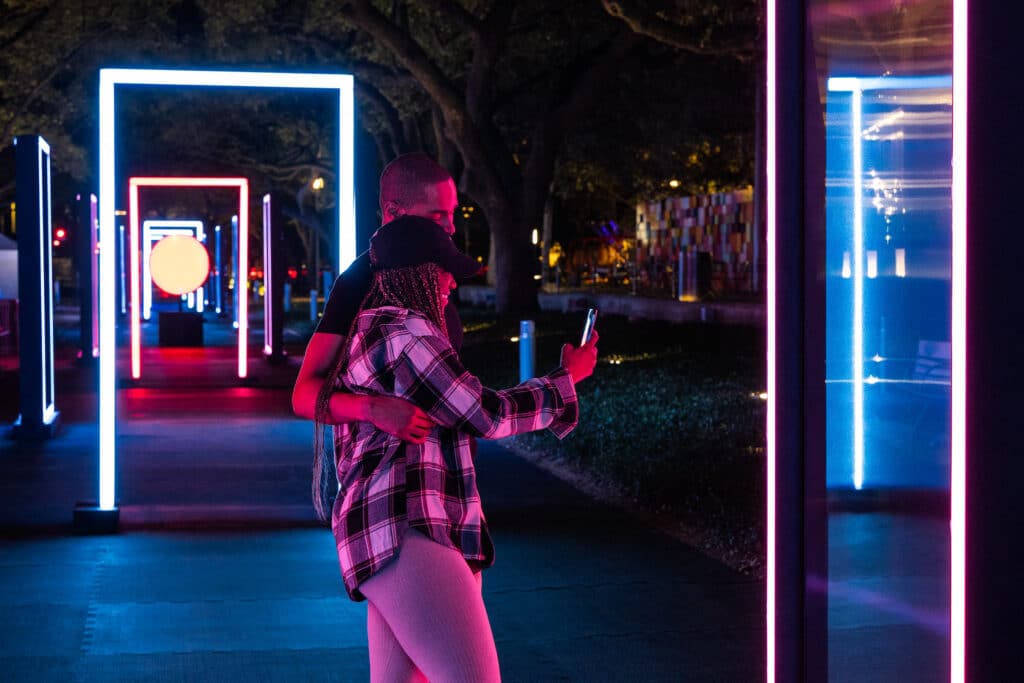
[546, 238]
[514, 264]
[492, 260]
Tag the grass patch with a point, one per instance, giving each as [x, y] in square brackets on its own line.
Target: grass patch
[671, 421]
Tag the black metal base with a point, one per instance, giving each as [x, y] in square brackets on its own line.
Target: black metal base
[91, 520]
[276, 358]
[86, 360]
[35, 432]
[180, 329]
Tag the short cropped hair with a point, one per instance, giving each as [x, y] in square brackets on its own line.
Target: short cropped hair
[403, 180]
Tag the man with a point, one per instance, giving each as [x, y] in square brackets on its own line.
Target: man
[412, 184]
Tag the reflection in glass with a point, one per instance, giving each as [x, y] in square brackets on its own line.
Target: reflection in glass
[884, 75]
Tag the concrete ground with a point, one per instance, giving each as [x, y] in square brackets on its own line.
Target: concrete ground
[221, 573]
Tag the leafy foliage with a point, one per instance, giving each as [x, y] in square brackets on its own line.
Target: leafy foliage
[516, 99]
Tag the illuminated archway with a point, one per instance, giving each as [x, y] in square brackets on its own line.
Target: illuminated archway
[110, 79]
[134, 267]
[153, 231]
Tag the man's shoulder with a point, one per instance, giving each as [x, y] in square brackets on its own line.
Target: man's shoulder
[359, 269]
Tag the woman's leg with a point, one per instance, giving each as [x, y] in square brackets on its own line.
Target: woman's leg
[388, 661]
[432, 603]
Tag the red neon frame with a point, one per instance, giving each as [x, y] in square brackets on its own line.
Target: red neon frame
[243, 258]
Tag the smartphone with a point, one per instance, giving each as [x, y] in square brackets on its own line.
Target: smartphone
[588, 327]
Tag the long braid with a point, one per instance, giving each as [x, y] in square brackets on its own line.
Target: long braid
[415, 288]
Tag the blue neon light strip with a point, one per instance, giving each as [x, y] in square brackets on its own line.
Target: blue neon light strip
[856, 110]
[852, 83]
[856, 87]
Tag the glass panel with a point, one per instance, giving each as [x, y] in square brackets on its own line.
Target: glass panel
[884, 75]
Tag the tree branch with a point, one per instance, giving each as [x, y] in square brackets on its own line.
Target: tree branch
[588, 84]
[457, 13]
[463, 130]
[29, 98]
[34, 18]
[388, 112]
[488, 42]
[364, 15]
[647, 23]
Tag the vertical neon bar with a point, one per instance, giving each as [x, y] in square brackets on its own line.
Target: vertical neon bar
[217, 271]
[201, 291]
[121, 273]
[242, 288]
[49, 410]
[857, 351]
[108, 336]
[268, 322]
[93, 204]
[147, 279]
[346, 176]
[133, 276]
[771, 294]
[958, 436]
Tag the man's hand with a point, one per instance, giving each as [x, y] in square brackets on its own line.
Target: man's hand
[580, 361]
[399, 418]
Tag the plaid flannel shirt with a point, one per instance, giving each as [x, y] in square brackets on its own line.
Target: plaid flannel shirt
[387, 485]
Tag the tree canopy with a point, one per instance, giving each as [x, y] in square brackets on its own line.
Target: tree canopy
[583, 98]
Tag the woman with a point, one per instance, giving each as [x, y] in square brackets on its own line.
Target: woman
[410, 531]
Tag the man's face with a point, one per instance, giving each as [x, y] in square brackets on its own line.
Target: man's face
[438, 204]
[446, 285]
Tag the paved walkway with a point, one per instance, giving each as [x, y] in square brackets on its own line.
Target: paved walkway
[222, 574]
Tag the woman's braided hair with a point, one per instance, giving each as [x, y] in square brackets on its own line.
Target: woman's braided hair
[416, 288]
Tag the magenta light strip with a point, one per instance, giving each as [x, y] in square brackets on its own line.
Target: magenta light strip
[958, 436]
[268, 306]
[771, 187]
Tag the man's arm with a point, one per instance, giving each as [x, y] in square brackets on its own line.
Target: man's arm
[392, 415]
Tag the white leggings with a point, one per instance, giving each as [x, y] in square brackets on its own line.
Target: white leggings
[426, 619]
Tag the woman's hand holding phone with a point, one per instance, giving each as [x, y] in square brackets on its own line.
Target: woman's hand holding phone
[580, 361]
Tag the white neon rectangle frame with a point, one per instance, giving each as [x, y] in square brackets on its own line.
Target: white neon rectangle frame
[153, 230]
[958, 450]
[109, 80]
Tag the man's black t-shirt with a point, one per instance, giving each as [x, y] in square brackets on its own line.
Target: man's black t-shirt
[348, 293]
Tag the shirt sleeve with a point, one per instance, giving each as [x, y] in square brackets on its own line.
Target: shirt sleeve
[429, 373]
[346, 296]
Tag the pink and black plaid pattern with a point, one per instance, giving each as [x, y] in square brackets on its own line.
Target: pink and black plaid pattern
[387, 485]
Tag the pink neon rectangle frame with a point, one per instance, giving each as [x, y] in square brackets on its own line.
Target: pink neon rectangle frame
[241, 289]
